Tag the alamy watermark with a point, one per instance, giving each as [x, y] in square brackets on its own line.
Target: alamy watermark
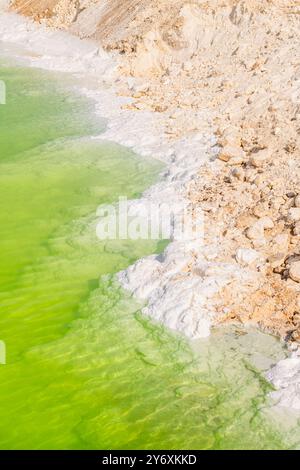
[2, 92]
[146, 220]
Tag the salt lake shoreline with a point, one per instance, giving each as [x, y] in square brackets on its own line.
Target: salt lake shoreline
[159, 282]
[141, 132]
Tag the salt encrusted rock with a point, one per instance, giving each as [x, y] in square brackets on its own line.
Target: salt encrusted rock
[247, 256]
[294, 214]
[256, 231]
[142, 277]
[285, 376]
[234, 153]
[294, 271]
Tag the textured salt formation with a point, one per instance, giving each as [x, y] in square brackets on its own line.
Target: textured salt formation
[285, 377]
[185, 301]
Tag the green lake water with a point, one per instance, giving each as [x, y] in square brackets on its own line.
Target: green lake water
[84, 369]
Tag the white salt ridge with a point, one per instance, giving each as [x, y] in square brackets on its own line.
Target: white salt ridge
[285, 376]
[173, 295]
[181, 300]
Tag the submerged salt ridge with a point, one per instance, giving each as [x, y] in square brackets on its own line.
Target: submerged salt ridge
[141, 131]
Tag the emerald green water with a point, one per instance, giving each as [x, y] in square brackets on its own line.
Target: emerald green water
[84, 369]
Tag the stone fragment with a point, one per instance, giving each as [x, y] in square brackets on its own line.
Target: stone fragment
[236, 161]
[261, 209]
[244, 220]
[277, 202]
[281, 241]
[256, 231]
[230, 137]
[294, 271]
[294, 214]
[293, 284]
[232, 152]
[143, 88]
[247, 256]
[277, 260]
[259, 243]
[260, 158]
[238, 173]
[267, 222]
[296, 229]
[297, 201]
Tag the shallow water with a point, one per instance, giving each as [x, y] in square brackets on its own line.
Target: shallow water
[84, 369]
